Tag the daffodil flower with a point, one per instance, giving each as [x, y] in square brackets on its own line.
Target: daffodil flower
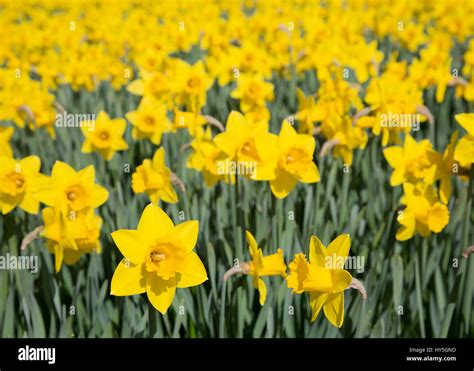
[153, 177]
[323, 277]
[259, 266]
[19, 181]
[70, 236]
[415, 161]
[238, 141]
[149, 120]
[206, 157]
[307, 113]
[292, 160]
[106, 136]
[6, 134]
[72, 191]
[464, 151]
[159, 258]
[423, 213]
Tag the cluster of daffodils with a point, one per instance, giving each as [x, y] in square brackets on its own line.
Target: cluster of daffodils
[323, 277]
[426, 178]
[159, 258]
[71, 226]
[283, 160]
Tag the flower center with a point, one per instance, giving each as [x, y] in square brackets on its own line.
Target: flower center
[74, 195]
[104, 135]
[193, 82]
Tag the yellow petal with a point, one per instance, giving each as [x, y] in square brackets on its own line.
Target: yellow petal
[194, 273]
[262, 289]
[316, 301]
[131, 245]
[154, 223]
[341, 280]
[464, 151]
[283, 184]
[394, 156]
[317, 252]
[128, 279]
[253, 247]
[340, 246]
[466, 120]
[334, 308]
[438, 217]
[187, 233]
[160, 292]
[30, 164]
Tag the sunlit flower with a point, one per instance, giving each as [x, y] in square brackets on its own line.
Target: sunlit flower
[292, 160]
[72, 191]
[153, 177]
[106, 137]
[159, 258]
[259, 266]
[323, 277]
[464, 151]
[19, 180]
[149, 121]
[423, 213]
[70, 236]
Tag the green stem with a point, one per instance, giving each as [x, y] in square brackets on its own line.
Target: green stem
[419, 294]
[152, 325]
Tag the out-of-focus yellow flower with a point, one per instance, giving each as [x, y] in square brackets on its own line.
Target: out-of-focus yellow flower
[191, 84]
[238, 141]
[423, 213]
[149, 120]
[446, 169]
[415, 161]
[106, 137]
[254, 92]
[192, 121]
[6, 134]
[464, 151]
[71, 191]
[153, 177]
[159, 258]
[323, 277]
[19, 181]
[207, 157]
[345, 137]
[307, 114]
[270, 265]
[289, 160]
[71, 236]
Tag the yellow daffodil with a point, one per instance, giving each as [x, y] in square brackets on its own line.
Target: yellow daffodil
[413, 162]
[253, 91]
[323, 277]
[423, 213]
[307, 114]
[72, 191]
[464, 151]
[6, 134]
[153, 177]
[292, 155]
[106, 137]
[207, 157]
[149, 120]
[192, 84]
[19, 180]
[192, 121]
[159, 258]
[71, 236]
[270, 265]
[238, 141]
